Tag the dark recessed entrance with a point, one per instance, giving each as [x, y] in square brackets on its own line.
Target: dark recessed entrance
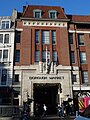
[45, 94]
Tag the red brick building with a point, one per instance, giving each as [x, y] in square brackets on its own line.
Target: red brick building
[51, 55]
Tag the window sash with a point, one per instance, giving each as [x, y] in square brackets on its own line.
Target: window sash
[37, 56]
[71, 38]
[44, 56]
[54, 56]
[37, 14]
[37, 36]
[81, 39]
[52, 15]
[6, 39]
[72, 57]
[5, 24]
[17, 56]
[82, 57]
[1, 38]
[53, 37]
[45, 37]
[85, 76]
[18, 36]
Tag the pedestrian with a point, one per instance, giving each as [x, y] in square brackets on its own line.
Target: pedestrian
[44, 110]
[62, 109]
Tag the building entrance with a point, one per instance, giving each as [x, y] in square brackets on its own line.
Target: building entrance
[45, 94]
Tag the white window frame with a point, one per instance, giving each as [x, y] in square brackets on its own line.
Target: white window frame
[5, 20]
[55, 13]
[39, 13]
[3, 41]
[2, 57]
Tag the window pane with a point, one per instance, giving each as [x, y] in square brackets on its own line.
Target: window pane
[5, 55]
[18, 36]
[54, 56]
[17, 56]
[1, 38]
[52, 15]
[37, 36]
[82, 57]
[5, 24]
[16, 78]
[44, 56]
[4, 77]
[53, 37]
[85, 76]
[37, 14]
[6, 39]
[45, 37]
[37, 56]
[72, 57]
[81, 39]
[71, 38]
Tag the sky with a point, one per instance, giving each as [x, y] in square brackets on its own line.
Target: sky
[77, 7]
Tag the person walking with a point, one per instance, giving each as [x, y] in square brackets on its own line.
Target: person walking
[44, 110]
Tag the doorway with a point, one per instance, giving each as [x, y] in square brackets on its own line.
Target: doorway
[46, 94]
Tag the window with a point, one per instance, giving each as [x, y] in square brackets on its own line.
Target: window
[5, 24]
[84, 76]
[54, 56]
[6, 38]
[17, 56]
[72, 57]
[44, 56]
[37, 13]
[81, 39]
[45, 37]
[17, 78]
[5, 55]
[18, 36]
[53, 37]
[70, 38]
[37, 56]
[74, 78]
[4, 77]
[82, 57]
[1, 38]
[52, 14]
[0, 55]
[37, 36]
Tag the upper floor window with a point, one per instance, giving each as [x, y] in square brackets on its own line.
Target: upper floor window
[54, 56]
[37, 13]
[72, 57]
[37, 36]
[4, 55]
[52, 14]
[37, 56]
[17, 56]
[5, 24]
[82, 57]
[45, 37]
[81, 39]
[18, 36]
[44, 57]
[53, 37]
[84, 76]
[4, 38]
[71, 38]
